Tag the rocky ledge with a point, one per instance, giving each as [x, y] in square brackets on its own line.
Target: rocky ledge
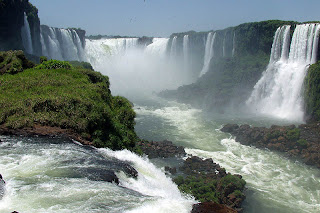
[44, 131]
[301, 142]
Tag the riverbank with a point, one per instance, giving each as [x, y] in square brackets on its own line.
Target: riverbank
[301, 142]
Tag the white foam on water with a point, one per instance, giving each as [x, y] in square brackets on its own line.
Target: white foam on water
[153, 182]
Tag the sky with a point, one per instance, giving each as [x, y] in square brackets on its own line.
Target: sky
[161, 18]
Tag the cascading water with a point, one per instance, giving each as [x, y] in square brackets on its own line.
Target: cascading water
[173, 49]
[209, 52]
[186, 52]
[56, 175]
[61, 44]
[234, 44]
[219, 44]
[26, 36]
[158, 47]
[279, 91]
[133, 70]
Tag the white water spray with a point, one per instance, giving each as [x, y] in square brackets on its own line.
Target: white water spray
[135, 71]
[151, 182]
[278, 92]
[26, 36]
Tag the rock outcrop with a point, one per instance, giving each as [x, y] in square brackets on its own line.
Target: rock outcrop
[300, 142]
[202, 178]
[161, 149]
[11, 22]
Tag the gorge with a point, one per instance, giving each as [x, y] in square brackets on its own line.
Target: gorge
[252, 73]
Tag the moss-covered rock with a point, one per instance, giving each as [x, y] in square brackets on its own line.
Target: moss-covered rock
[69, 98]
[312, 92]
[13, 62]
[208, 182]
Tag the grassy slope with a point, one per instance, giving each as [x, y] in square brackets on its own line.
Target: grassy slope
[77, 99]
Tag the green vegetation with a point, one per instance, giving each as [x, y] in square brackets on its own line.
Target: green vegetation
[43, 59]
[81, 64]
[293, 134]
[257, 37]
[302, 143]
[204, 189]
[69, 98]
[198, 187]
[13, 62]
[273, 134]
[312, 92]
[54, 64]
[234, 180]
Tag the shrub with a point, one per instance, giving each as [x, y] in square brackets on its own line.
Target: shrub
[43, 59]
[54, 64]
[202, 189]
[81, 64]
[293, 134]
[232, 179]
[302, 143]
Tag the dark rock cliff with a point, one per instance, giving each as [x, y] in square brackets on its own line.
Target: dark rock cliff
[11, 22]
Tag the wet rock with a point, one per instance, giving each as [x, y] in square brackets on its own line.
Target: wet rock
[170, 170]
[97, 174]
[161, 149]
[2, 187]
[128, 169]
[211, 207]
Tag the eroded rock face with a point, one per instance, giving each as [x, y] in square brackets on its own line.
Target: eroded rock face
[300, 142]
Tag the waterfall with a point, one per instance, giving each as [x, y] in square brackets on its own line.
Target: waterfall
[209, 52]
[135, 71]
[173, 50]
[43, 46]
[186, 51]
[157, 47]
[278, 92]
[26, 36]
[61, 44]
[233, 43]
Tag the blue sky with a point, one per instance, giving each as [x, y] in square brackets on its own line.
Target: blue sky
[163, 17]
